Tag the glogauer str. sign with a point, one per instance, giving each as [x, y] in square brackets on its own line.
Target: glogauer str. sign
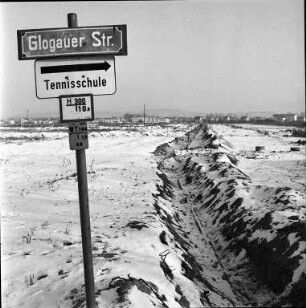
[67, 42]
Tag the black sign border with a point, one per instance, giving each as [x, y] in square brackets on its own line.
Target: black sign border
[123, 51]
[79, 120]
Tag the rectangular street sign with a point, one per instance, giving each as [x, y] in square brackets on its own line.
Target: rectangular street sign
[55, 78]
[76, 108]
[68, 42]
[78, 136]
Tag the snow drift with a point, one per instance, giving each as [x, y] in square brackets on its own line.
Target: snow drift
[257, 231]
[208, 230]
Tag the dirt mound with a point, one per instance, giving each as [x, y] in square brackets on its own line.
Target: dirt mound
[269, 232]
[199, 138]
[254, 228]
[164, 150]
[176, 238]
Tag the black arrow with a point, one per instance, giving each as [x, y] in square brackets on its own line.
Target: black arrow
[75, 68]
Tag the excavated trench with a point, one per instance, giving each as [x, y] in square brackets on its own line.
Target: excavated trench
[237, 250]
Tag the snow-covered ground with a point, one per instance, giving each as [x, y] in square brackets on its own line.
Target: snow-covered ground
[159, 236]
[250, 204]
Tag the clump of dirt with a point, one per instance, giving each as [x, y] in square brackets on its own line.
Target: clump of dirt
[182, 300]
[166, 269]
[301, 142]
[137, 225]
[164, 190]
[164, 150]
[124, 285]
[162, 237]
[299, 132]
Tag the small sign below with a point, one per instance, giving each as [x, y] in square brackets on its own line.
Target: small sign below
[55, 78]
[78, 136]
[75, 108]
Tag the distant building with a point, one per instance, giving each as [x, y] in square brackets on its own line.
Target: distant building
[93, 124]
[258, 118]
[137, 120]
[245, 118]
[151, 120]
[24, 122]
[32, 123]
[163, 120]
[301, 119]
[113, 120]
[212, 119]
[285, 117]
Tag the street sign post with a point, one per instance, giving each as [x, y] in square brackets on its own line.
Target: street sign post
[73, 75]
[55, 78]
[76, 108]
[70, 42]
[80, 143]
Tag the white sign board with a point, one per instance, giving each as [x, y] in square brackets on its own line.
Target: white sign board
[76, 108]
[55, 78]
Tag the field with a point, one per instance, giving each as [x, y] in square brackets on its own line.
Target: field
[181, 216]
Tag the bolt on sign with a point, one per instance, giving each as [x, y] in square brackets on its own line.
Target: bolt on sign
[67, 42]
[55, 78]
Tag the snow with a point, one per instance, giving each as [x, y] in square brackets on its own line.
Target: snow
[135, 198]
[246, 213]
[40, 211]
[138, 299]
[260, 235]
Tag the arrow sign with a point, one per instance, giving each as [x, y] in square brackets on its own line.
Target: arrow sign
[55, 78]
[104, 66]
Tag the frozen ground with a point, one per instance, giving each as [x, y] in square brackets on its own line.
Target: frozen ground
[250, 205]
[159, 236]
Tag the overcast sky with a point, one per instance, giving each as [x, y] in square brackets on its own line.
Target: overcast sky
[204, 56]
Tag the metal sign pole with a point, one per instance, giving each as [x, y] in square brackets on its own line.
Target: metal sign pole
[85, 228]
[84, 210]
